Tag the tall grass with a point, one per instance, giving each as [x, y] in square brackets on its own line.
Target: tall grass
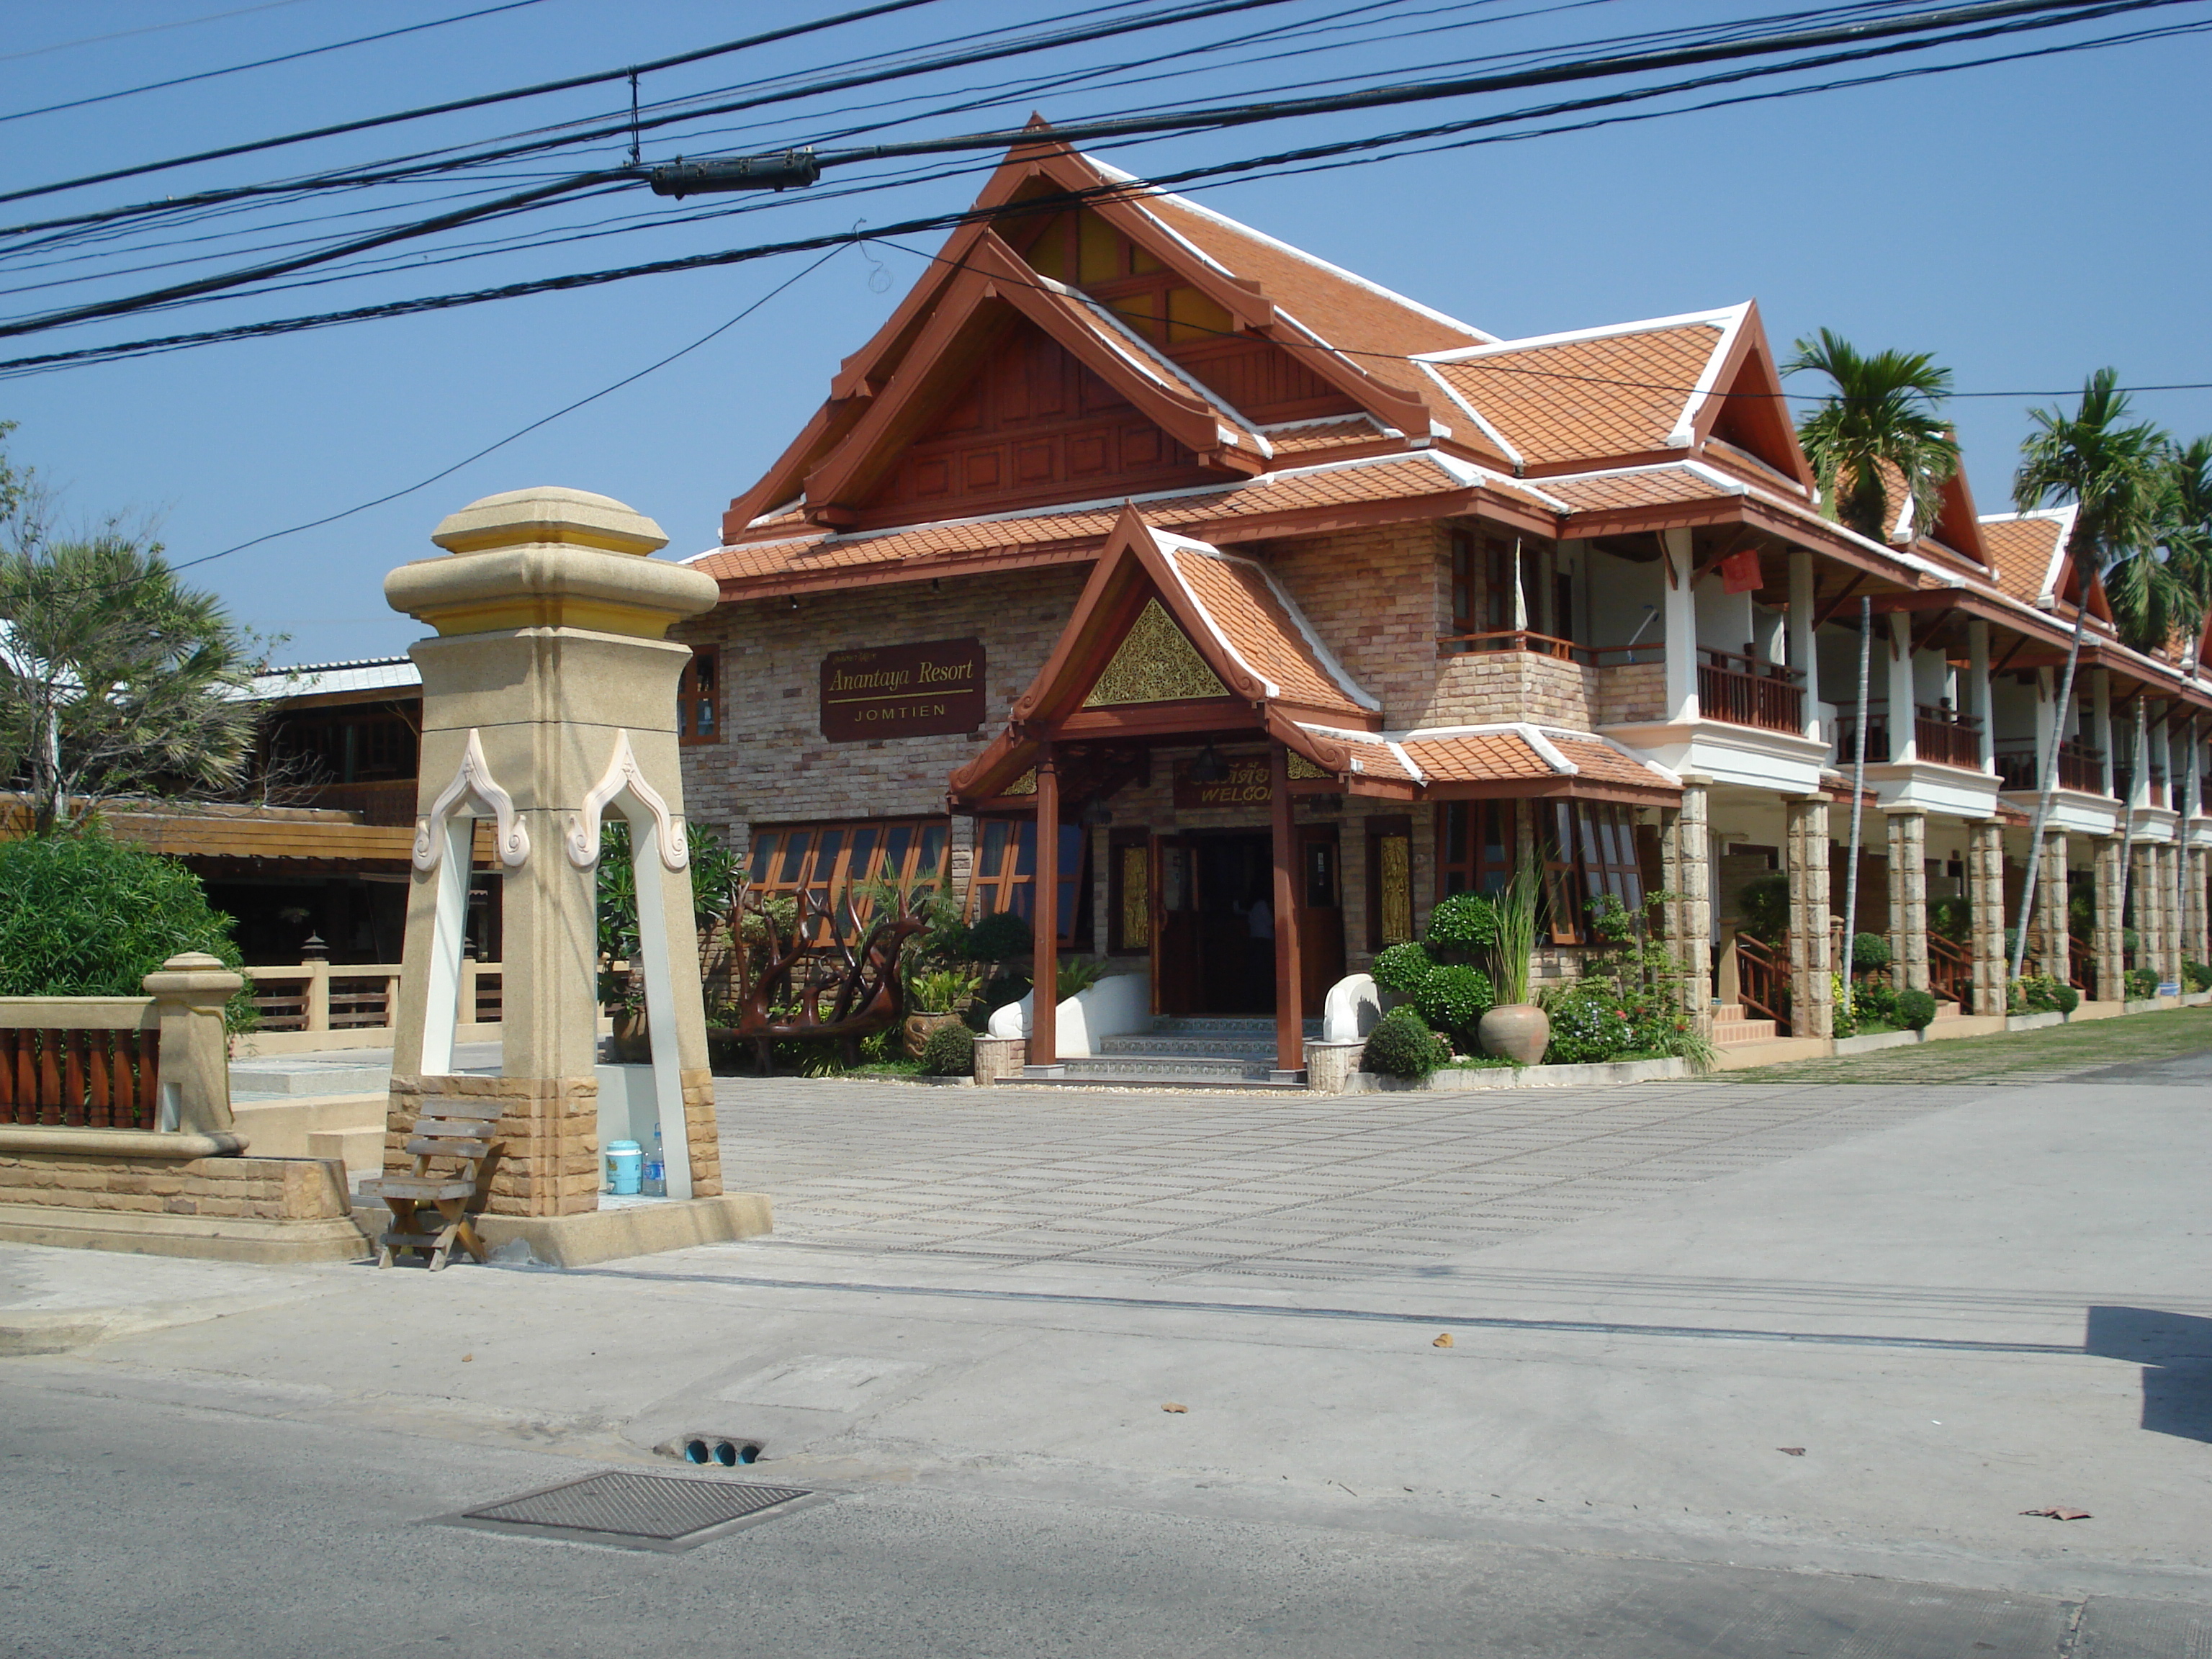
[1516, 934]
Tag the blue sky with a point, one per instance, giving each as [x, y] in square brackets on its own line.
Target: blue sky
[2026, 222]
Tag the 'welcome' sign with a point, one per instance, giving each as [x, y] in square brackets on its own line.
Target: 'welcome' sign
[902, 690]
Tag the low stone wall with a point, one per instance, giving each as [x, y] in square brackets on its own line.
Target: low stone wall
[1476, 688]
[1470, 1079]
[255, 1189]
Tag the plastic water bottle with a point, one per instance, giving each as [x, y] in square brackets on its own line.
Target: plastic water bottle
[656, 1178]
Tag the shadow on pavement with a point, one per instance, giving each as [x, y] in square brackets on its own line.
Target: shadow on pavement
[2175, 1350]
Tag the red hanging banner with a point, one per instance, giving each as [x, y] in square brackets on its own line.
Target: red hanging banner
[1739, 572]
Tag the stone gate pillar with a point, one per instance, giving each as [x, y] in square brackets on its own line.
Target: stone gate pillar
[1908, 901]
[2049, 944]
[549, 700]
[2111, 939]
[1987, 911]
[1812, 993]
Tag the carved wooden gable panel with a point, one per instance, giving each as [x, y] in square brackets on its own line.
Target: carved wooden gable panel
[1156, 662]
[1261, 380]
[1031, 424]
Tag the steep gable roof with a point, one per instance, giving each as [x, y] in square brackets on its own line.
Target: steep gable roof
[2028, 550]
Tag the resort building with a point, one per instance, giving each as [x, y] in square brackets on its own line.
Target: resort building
[1149, 576]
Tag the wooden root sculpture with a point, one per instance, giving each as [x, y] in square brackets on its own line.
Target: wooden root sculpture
[828, 975]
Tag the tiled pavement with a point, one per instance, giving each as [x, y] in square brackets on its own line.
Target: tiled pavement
[1276, 1186]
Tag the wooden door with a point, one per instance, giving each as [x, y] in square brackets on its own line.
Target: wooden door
[1174, 925]
[1321, 915]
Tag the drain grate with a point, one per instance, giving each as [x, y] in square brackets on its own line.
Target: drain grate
[633, 1510]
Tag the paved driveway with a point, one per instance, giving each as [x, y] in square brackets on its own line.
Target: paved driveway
[1272, 1185]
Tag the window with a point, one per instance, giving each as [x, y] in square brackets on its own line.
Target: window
[1389, 882]
[1005, 875]
[1482, 583]
[699, 697]
[826, 861]
[1474, 846]
[1590, 850]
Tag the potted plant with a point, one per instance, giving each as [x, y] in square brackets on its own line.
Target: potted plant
[936, 998]
[1516, 1029]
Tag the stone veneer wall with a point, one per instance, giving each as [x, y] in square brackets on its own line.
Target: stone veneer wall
[1632, 693]
[1480, 688]
[1379, 597]
[254, 1188]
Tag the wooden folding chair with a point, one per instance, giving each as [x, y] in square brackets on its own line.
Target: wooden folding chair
[455, 1131]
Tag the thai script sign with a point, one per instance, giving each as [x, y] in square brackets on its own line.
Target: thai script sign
[1247, 784]
[902, 690]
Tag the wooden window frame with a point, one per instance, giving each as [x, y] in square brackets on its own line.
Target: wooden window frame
[918, 842]
[699, 708]
[1001, 882]
[1464, 863]
[1589, 848]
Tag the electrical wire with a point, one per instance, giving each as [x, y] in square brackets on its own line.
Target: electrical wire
[147, 28]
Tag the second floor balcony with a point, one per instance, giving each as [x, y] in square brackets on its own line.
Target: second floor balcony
[1740, 690]
[2079, 767]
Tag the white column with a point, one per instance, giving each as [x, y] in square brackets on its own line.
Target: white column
[1902, 703]
[2046, 695]
[2100, 709]
[1682, 624]
[1803, 655]
[1977, 697]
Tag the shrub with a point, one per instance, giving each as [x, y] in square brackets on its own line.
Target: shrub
[1403, 969]
[1453, 1000]
[942, 990]
[1765, 905]
[1401, 1045]
[2065, 998]
[1592, 1021]
[1079, 976]
[2141, 983]
[86, 915]
[1869, 952]
[1460, 926]
[1952, 917]
[948, 1051]
[2197, 976]
[1002, 936]
[1876, 1000]
[1915, 1009]
[2039, 993]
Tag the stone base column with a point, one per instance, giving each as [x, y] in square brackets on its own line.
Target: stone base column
[2108, 942]
[548, 1131]
[1812, 992]
[1686, 866]
[2048, 943]
[2149, 914]
[2194, 926]
[1908, 901]
[1986, 909]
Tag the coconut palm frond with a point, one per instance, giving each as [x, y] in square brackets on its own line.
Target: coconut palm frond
[2116, 472]
[1882, 419]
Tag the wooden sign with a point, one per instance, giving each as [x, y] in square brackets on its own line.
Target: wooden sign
[1247, 784]
[902, 690]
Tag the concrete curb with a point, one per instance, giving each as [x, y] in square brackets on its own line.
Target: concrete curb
[1465, 1081]
[595, 1236]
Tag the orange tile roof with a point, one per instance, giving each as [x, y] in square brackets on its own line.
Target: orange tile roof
[1602, 763]
[1478, 757]
[1263, 626]
[1308, 437]
[1498, 754]
[1381, 479]
[1584, 400]
[1654, 486]
[2026, 550]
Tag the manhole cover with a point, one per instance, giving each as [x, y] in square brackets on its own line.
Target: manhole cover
[633, 1510]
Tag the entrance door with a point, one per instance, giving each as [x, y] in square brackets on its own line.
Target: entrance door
[1213, 929]
[1321, 915]
[1174, 925]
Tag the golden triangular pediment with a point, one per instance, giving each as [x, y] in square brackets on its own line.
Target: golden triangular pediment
[1156, 662]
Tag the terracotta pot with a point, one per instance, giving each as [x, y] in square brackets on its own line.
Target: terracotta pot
[1518, 1031]
[917, 1028]
[633, 1042]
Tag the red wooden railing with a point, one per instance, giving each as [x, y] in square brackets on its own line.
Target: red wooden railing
[1763, 979]
[1950, 971]
[2078, 963]
[1943, 736]
[1513, 639]
[91, 1079]
[1741, 690]
[2079, 768]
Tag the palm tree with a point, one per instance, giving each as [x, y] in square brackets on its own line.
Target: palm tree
[2115, 472]
[1882, 412]
[2185, 531]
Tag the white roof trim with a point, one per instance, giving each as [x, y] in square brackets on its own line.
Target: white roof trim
[1504, 444]
[1724, 319]
[1685, 431]
[1321, 653]
[1380, 430]
[2064, 517]
[1376, 739]
[774, 512]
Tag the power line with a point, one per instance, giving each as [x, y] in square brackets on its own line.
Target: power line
[597, 78]
[263, 63]
[149, 28]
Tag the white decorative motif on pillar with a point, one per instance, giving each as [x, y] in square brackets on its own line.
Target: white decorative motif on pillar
[472, 781]
[623, 774]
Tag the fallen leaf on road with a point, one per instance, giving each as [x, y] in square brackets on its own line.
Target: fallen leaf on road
[1791, 1451]
[1443, 1341]
[2059, 1512]
[466, 1358]
[1172, 1407]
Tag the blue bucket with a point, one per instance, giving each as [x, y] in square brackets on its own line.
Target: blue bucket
[625, 1167]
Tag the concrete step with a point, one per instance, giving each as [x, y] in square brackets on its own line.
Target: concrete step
[1254, 1026]
[1177, 1043]
[1164, 1069]
[272, 1080]
[1729, 1031]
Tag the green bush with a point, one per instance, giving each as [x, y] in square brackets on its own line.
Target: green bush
[1404, 969]
[1765, 905]
[1869, 952]
[1002, 936]
[1592, 1020]
[948, 1051]
[1453, 1000]
[1460, 926]
[2065, 998]
[1875, 1000]
[1952, 917]
[1401, 1045]
[1915, 1009]
[2039, 993]
[2141, 983]
[2197, 976]
[85, 915]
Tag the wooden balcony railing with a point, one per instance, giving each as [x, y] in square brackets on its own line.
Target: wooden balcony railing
[1741, 690]
[322, 996]
[1943, 736]
[2080, 767]
[1513, 639]
[1763, 979]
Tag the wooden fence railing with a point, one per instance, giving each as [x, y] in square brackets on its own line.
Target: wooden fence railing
[1950, 971]
[1763, 979]
[153, 1064]
[324, 996]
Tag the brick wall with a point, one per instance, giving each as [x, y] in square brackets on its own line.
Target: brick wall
[1379, 599]
[1476, 688]
[1632, 693]
[773, 764]
[256, 1189]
